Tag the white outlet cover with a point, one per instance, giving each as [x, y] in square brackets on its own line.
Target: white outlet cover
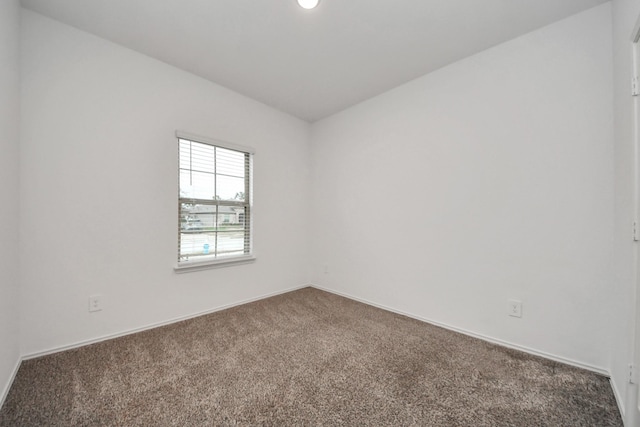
[514, 308]
[95, 303]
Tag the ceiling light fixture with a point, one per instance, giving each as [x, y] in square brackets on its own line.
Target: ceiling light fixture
[308, 4]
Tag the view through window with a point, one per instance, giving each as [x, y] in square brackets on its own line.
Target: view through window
[214, 202]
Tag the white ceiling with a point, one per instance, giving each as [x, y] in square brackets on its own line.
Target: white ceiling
[310, 64]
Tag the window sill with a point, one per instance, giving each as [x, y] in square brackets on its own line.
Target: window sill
[189, 266]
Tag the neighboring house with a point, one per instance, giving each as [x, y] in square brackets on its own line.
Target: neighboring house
[204, 216]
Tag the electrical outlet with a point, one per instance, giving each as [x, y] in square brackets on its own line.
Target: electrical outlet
[514, 308]
[326, 269]
[95, 303]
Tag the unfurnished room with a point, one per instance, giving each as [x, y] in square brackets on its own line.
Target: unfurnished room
[302, 212]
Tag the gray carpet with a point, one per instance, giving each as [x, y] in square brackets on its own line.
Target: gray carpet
[304, 358]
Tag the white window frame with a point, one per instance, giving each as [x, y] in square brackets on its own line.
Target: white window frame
[202, 264]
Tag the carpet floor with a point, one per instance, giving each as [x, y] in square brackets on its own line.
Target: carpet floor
[307, 357]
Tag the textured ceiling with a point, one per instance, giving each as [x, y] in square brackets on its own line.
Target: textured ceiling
[310, 64]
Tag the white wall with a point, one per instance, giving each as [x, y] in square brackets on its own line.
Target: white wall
[625, 13]
[99, 186]
[9, 161]
[489, 179]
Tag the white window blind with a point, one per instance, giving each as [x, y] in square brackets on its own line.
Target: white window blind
[214, 201]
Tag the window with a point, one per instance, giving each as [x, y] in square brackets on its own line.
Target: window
[214, 203]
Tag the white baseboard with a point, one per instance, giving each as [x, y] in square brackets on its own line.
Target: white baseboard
[156, 325]
[619, 400]
[7, 387]
[596, 369]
